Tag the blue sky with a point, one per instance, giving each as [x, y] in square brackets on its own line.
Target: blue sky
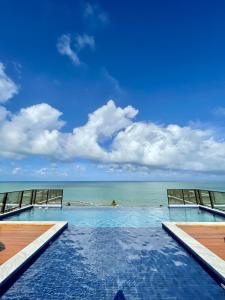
[161, 62]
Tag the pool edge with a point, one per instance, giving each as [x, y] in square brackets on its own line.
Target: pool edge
[23, 258]
[212, 263]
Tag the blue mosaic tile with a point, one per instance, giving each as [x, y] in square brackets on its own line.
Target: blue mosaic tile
[95, 263]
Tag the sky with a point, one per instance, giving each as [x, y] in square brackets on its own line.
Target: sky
[112, 90]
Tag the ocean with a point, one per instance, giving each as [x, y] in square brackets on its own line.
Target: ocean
[102, 193]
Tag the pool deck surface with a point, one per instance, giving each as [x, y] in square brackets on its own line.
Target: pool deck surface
[210, 236]
[20, 241]
[204, 240]
[15, 237]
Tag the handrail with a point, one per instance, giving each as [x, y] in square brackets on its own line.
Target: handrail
[17, 199]
[213, 199]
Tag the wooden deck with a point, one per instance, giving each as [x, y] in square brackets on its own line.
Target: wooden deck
[15, 237]
[210, 236]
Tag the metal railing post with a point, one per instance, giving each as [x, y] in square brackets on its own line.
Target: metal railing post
[183, 196]
[61, 197]
[211, 198]
[4, 202]
[47, 196]
[33, 197]
[199, 197]
[21, 199]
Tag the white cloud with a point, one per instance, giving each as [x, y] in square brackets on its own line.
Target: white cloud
[66, 46]
[96, 14]
[111, 136]
[102, 125]
[85, 40]
[8, 88]
[41, 172]
[15, 171]
[49, 172]
[113, 82]
[34, 130]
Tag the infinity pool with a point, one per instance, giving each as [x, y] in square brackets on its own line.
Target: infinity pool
[106, 250]
[117, 217]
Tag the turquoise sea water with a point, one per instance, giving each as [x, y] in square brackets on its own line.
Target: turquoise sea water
[125, 193]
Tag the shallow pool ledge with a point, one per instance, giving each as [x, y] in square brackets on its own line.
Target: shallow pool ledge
[213, 263]
[14, 265]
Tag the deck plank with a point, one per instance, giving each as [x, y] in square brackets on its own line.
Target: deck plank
[211, 236]
[16, 237]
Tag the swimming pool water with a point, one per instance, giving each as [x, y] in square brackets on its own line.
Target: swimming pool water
[94, 263]
[105, 250]
[117, 217]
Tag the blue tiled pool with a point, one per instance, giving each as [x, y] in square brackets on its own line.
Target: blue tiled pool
[106, 250]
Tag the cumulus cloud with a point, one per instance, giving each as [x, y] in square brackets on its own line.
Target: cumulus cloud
[111, 136]
[102, 125]
[8, 87]
[33, 130]
[70, 47]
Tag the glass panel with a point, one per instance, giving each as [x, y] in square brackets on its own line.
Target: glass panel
[218, 200]
[41, 196]
[12, 201]
[26, 198]
[54, 196]
[189, 197]
[205, 198]
[175, 196]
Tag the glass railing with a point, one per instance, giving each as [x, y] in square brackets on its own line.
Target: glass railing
[13, 200]
[211, 199]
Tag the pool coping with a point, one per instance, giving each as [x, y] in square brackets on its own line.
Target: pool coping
[15, 211]
[210, 260]
[13, 265]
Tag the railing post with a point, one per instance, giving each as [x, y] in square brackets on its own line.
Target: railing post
[47, 196]
[183, 196]
[211, 198]
[198, 197]
[33, 197]
[61, 197]
[21, 199]
[4, 202]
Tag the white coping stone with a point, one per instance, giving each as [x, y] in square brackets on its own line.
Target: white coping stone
[212, 261]
[182, 205]
[17, 210]
[48, 205]
[213, 210]
[11, 266]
